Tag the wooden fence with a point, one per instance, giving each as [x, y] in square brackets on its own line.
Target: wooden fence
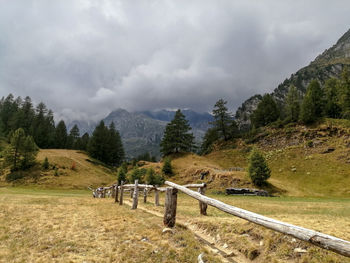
[328, 242]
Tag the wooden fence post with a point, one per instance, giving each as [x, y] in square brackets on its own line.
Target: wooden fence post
[136, 195]
[170, 207]
[202, 206]
[145, 195]
[116, 193]
[131, 192]
[104, 193]
[113, 191]
[121, 193]
[156, 196]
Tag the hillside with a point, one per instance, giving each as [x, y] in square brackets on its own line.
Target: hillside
[313, 162]
[60, 175]
[327, 65]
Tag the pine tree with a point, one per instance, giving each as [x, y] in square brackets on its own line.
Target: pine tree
[344, 93]
[8, 109]
[29, 153]
[121, 176]
[266, 112]
[258, 170]
[332, 107]
[210, 137]
[115, 147]
[176, 136]
[167, 168]
[21, 152]
[84, 141]
[223, 121]
[61, 135]
[313, 103]
[292, 104]
[73, 137]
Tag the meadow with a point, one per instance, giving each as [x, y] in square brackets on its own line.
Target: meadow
[70, 226]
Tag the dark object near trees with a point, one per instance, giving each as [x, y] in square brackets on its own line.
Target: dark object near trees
[329, 150]
[203, 174]
[46, 164]
[246, 191]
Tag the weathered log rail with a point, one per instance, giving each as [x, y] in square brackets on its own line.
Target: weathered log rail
[324, 241]
[328, 242]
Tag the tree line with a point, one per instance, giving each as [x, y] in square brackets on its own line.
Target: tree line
[28, 128]
[332, 101]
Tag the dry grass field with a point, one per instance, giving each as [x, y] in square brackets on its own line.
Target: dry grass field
[330, 216]
[71, 226]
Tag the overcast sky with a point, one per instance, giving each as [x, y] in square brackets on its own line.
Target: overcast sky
[86, 58]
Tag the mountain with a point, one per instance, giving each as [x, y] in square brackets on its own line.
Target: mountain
[329, 64]
[142, 132]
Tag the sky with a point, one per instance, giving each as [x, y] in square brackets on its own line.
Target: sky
[84, 59]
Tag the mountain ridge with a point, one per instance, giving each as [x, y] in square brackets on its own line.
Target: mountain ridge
[329, 63]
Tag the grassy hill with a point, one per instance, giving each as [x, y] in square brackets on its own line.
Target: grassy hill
[69, 169]
[305, 161]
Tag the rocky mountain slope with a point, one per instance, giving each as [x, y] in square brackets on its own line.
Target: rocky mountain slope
[329, 64]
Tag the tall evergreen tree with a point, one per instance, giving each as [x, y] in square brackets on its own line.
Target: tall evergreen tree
[73, 138]
[176, 136]
[98, 144]
[21, 152]
[292, 104]
[8, 109]
[223, 121]
[266, 112]
[115, 147]
[210, 137]
[332, 107]
[313, 103]
[344, 93]
[61, 135]
[84, 141]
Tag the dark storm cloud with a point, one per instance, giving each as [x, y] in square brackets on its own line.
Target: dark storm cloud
[85, 58]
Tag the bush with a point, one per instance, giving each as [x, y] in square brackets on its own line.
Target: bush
[136, 174]
[121, 176]
[167, 168]
[153, 178]
[258, 170]
[14, 176]
[46, 164]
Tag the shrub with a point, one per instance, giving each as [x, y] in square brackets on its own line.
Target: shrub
[258, 170]
[121, 176]
[46, 164]
[14, 176]
[136, 174]
[167, 168]
[310, 143]
[153, 178]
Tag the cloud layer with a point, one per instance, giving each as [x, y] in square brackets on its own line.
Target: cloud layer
[86, 58]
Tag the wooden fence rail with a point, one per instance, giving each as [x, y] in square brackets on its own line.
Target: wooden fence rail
[328, 242]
